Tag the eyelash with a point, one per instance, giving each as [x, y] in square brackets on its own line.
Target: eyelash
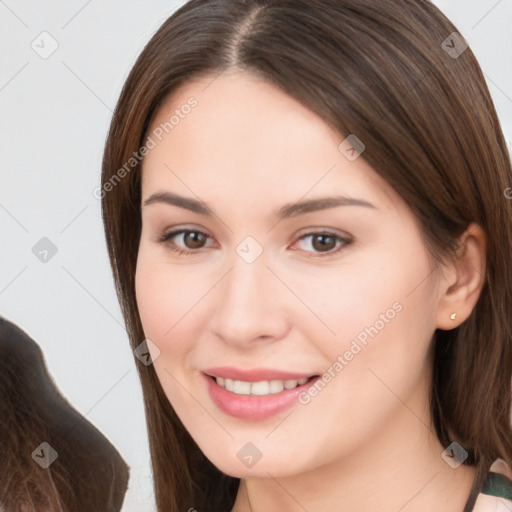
[166, 237]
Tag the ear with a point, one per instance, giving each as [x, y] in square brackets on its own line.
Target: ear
[463, 279]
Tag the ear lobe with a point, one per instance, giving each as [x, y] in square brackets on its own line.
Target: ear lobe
[462, 288]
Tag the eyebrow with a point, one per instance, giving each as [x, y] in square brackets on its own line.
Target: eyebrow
[286, 211]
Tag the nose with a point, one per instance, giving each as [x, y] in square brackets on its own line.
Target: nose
[252, 304]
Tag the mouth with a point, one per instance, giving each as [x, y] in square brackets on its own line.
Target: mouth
[255, 400]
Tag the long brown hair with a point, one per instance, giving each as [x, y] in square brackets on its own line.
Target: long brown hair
[381, 70]
[80, 469]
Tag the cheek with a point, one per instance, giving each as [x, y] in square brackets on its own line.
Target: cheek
[363, 300]
[150, 298]
[382, 315]
[171, 300]
[162, 301]
[393, 329]
[162, 309]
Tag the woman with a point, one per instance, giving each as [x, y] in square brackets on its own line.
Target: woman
[305, 215]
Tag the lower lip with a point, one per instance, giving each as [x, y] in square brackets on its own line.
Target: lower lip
[254, 407]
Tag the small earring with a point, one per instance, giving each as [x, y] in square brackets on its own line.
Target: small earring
[453, 316]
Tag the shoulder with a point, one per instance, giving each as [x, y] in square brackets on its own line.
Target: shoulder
[496, 494]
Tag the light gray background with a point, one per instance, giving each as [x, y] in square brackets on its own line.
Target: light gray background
[55, 113]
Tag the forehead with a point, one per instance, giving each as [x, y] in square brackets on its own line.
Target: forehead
[245, 135]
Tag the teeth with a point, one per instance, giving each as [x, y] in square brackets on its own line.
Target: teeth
[276, 386]
[241, 388]
[260, 388]
[290, 384]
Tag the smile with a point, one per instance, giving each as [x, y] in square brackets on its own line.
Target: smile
[256, 399]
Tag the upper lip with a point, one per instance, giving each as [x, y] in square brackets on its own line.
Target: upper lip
[255, 374]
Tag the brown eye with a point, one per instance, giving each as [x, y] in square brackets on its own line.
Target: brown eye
[194, 239]
[324, 244]
[191, 240]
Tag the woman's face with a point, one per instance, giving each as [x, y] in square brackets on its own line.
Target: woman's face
[270, 289]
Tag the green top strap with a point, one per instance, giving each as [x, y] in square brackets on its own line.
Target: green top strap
[497, 484]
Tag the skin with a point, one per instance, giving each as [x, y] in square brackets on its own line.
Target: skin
[365, 441]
